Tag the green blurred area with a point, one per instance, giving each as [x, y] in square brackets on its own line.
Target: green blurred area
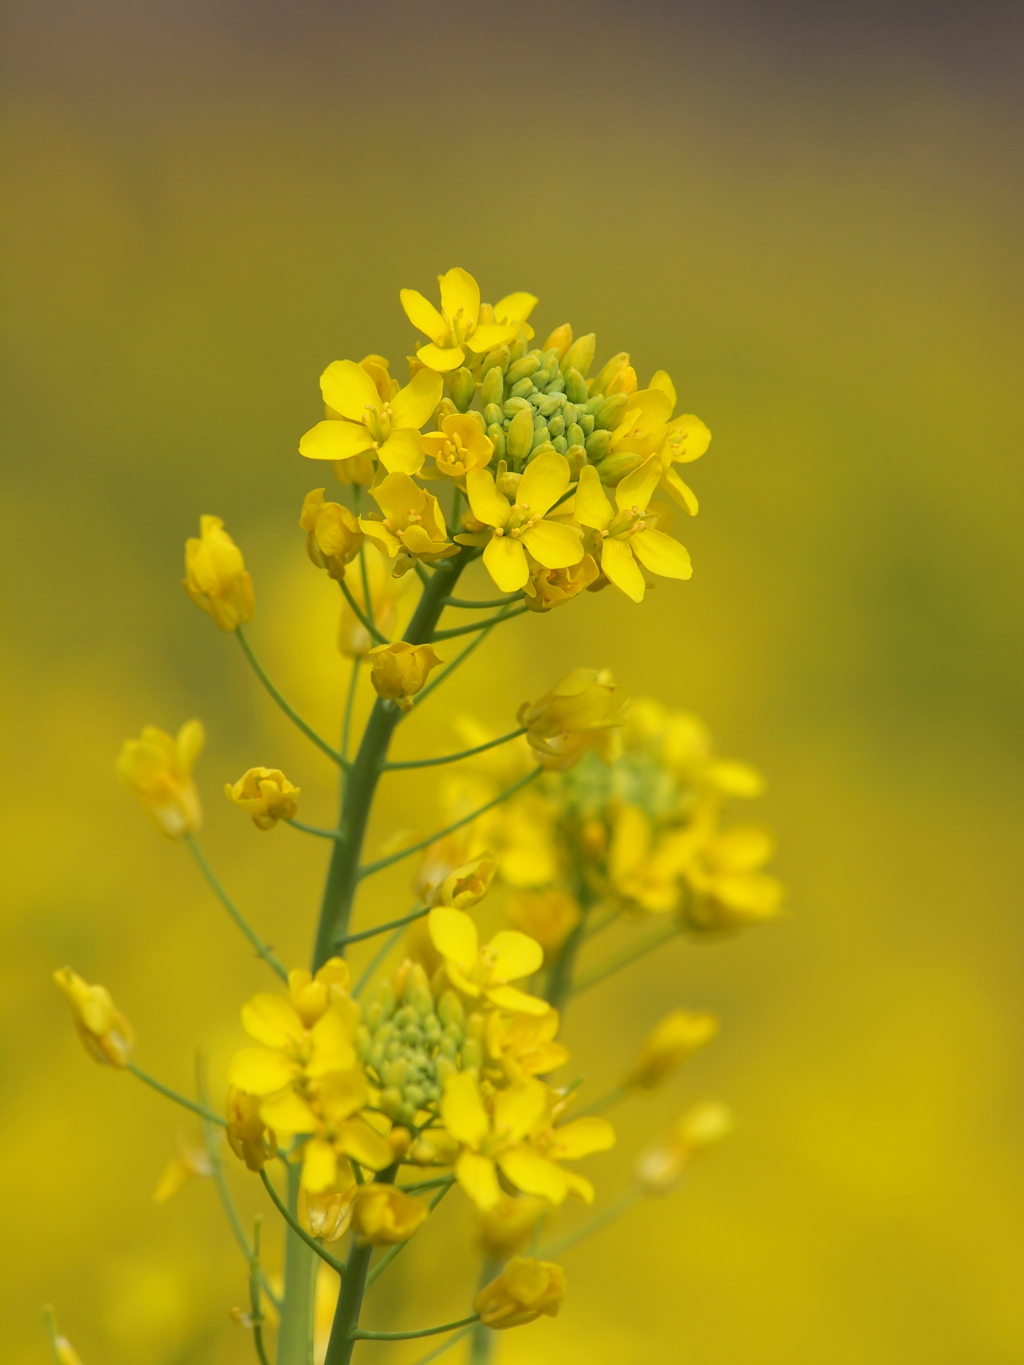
[821, 246]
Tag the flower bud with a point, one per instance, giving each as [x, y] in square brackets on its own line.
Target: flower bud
[492, 390]
[598, 444]
[383, 1215]
[499, 357]
[333, 536]
[608, 372]
[519, 438]
[678, 1036]
[248, 1136]
[158, 770]
[625, 381]
[398, 671]
[580, 355]
[465, 886]
[215, 576]
[105, 1033]
[266, 794]
[522, 369]
[611, 412]
[326, 1216]
[560, 340]
[192, 1160]
[577, 714]
[614, 468]
[463, 388]
[507, 1227]
[701, 1127]
[524, 1290]
[547, 916]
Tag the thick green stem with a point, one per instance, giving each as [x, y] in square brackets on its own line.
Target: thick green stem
[481, 1346]
[350, 1300]
[295, 1337]
[343, 872]
[559, 983]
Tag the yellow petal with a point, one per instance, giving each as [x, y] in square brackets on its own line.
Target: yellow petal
[744, 848]
[661, 381]
[335, 441]
[580, 1186]
[621, 568]
[661, 554]
[687, 438]
[544, 481]
[454, 935]
[515, 307]
[518, 1002]
[534, 1174]
[491, 334]
[357, 1139]
[514, 955]
[272, 1021]
[402, 453]
[189, 743]
[332, 1045]
[288, 1112]
[319, 1165]
[460, 296]
[505, 560]
[489, 506]
[554, 546]
[440, 358]
[680, 492]
[259, 1071]
[348, 389]
[462, 1109]
[592, 507]
[412, 405]
[635, 489]
[477, 1176]
[583, 1136]
[422, 314]
[518, 1108]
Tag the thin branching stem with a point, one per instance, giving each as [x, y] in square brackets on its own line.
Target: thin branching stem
[361, 615]
[418, 913]
[421, 697]
[375, 961]
[468, 603]
[613, 1211]
[439, 1351]
[170, 1094]
[399, 1247]
[453, 758]
[313, 829]
[602, 970]
[603, 1102]
[289, 711]
[297, 1227]
[360, 1335]
[256, 1279]
[367, 595]
[479, 625]
[263, 950]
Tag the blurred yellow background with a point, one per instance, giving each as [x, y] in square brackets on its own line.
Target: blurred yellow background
[810, 215]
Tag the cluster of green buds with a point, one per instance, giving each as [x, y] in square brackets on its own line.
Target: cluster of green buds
[410, 1044]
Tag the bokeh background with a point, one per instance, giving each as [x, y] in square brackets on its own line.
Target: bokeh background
[810, 214]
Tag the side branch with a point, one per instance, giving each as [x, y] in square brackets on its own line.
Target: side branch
[479, 625]
[361, 615]
[360, 1335]
[382, 928]
[292, 715]
[602, 970]
[262, 949]
[206, 1114]
[471, 605]
[297, 1227]
[453, 758]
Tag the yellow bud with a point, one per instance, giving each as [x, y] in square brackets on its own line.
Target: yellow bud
[507, 1227]
[560, 340]
[519, 438]
[547, 916]
[549, 588]
[608, 372]
[326, 1216]
[678, 1036]
[215, 576]
[266, 794]
[192, 1160]
[524, 1290]
[580, 355]
[399, 671]
[465, 886]
[702, 1126]
[106, 1034]
[383, 1215]
[248, 1136]
[578, 713]
[158, 770]
[333, 536]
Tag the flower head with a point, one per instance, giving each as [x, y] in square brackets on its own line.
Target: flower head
[216, 577]
[247, 1134]
[732, 891]
[266, 794]
[413, 524]
[398, 671]
[701, 1127]
[549, 588]
[105, 1033]
[484, 972]
[158, 769]
[508, 1227]
[675, 1038]
[366, 422]
[328, 1215]
[384, 1215]
[628, 532]
[333, 536]
[524, 1290]
[580, 712]
[459, 446]
[462, 322]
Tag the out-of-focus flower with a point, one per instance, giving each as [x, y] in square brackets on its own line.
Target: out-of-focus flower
[398, 671]
[367, 423]
[524, 1290]
[675, 1038]
[548, 916]
[383, 1215]
[629, 529]
[549, 588]
[732, 891]
[412, 526]
[523, 1045]
[462, 321]
[327, 1216]
[646, 870]
[705, 1124]
[486, 971]
[216, 577]
[459, 446]
[517, 527]
[333, 536]
[266, 794]
[158, 770]
[579, 713]
[105, 1033]
[192, 1160]
[508, 1227]
[391, 600]
[247, 1134]
[462, 887]
[64, 1352]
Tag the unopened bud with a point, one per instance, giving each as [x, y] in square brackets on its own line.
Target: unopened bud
[492, 390]
[598, 444]
[519, 440]
[560, 340]
[611, 411]
[508, 481]
[497, 358]
[522, 369]
[462, 388]
[614, 468]
[575, 386]
[577, 457]
[608, 372]
[580, 355]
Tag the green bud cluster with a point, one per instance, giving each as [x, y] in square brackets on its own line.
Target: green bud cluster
[594, 789]
[410, 1044]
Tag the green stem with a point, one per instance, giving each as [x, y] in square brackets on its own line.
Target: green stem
[613, 964]
[439, 1351]
[459, 658]
[295, 1335]
[353, 1286]
[313, 829]
[255, 1285]
[292, 715]
[559, 983]
[361, 615]
[375, 962]
[170, 1094]
[296, 1227]
[605, 1101]
[50, 1323]
[399, 1247]
[350, 701]
[367, 596]
[481, 1347]
[479, 625]
[360, 1335]
[343, 872]
[383, 928]
[262, 949]
[469, 604]
[454, 758]
[616, 1210]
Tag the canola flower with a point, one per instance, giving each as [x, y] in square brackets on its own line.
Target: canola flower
[360, 1104]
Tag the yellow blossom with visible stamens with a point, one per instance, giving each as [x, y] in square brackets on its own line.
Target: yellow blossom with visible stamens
[216, 577]
[629, 533]
[333, 534]
[158, 769]
[462, 321]
[412, 526]
[398, 671]
[327, 1216]
[524, 1290]
[266, 794]
[105, 1033]
[523, 1045]
[486, 971]
[383, 1215]
[675, 1038]
[580, 712]
[459, 446]
[523, 525]
[370, 424]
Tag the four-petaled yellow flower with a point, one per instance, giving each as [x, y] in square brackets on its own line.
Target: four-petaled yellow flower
[398, 671]
[266, 794]
[524, 1290]
[629, 529]
[389, 428]
[459, 446]
[523, 525]
[523, 1045]
[216, 577]
[645, 868]
[333, 536]
[581, 711]
[462, 321]
[158, 770]
[675, 1038]
[105, 1033]
[486, 971]
[413, 524]
[649, 430]
[732, 889]
[383, 1215]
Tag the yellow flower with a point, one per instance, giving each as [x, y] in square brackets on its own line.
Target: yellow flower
[391, 600]
[333, 535]
[105, 1033]
[192, 1160]
[579, 713]
[732, 891]
[412, 526]
[266, 794]
[158, 770]
[523, 1046]
[398, 671]
[247, 1134]
[549, 588]
[508, 1226]
[705, 1124]
[462, 322]
[671, 440]
[678, 1036]
[327, 1216]
[645, 870]
[486, 971]
[459, 446]
[524, 1290]
[630, 530]
[215, 576]
[515, 1135]
[462, 887]
[383, 1215]
[522, 526]
[367, 422]
[549, 916]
